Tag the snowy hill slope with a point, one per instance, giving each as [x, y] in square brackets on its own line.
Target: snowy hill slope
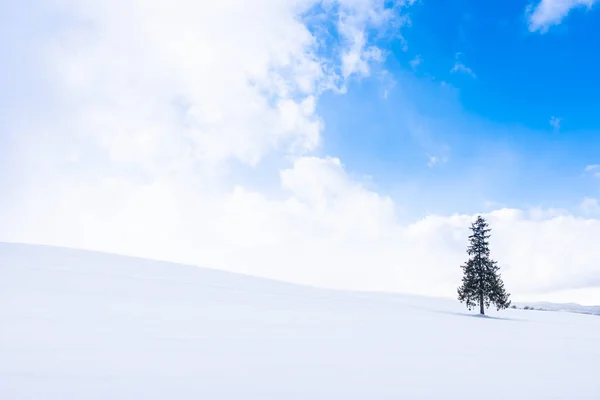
[82, 325]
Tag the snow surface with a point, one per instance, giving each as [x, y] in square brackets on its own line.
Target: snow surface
[82, 325]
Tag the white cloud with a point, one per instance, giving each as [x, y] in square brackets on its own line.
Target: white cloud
[435, 160]
[551, 12]
[415, 62]
[387, 82]
[200, 82]
[460, 67]
[228, 93]
[555, 122]
[154, 116]
[355, 19]
[590, 206]
[593, 169]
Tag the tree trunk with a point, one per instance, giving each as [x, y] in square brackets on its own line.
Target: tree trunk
[481, 309]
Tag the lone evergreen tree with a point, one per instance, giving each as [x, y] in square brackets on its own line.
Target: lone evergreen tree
[481, 283]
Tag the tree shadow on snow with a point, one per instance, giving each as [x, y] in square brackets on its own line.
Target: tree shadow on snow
[470, 315]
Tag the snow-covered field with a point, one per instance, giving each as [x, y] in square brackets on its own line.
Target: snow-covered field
[80, 325]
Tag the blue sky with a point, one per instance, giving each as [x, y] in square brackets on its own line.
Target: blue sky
[336, 143]
[494, 128]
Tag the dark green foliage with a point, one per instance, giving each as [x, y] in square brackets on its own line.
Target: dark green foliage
[481, 282]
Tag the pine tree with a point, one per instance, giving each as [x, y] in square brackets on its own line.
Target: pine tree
[481, 282]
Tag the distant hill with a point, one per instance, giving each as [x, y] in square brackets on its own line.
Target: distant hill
[565, 307]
